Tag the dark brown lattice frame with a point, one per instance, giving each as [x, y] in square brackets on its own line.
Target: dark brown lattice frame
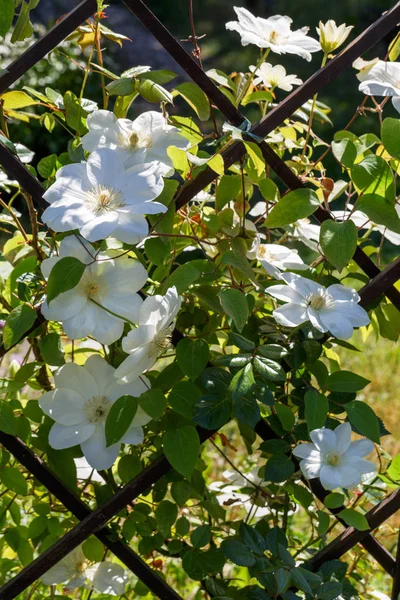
[381, 283]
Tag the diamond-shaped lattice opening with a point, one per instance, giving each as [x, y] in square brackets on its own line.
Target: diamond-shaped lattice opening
[381, 283]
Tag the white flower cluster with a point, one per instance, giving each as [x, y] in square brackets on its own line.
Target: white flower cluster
[108, 195]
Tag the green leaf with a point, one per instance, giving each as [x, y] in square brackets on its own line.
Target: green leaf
[216, 163]
[166, 514]
[153, 402]
[62, 463]
[121, 87]
[346, 381]
[181, 448]
[36, 527]
[282, 580]
[345, 152]
[246, 410]
[214, 411]
[235, 305]
[373, 176]
[183, 398]
[51, 349]
[256, 157]
[46, 167]
[286, 416]
[380, 210]
[160, 77]
[363, 418]
[6, 16]
[120, 418]
[297, 204]
[242, 382]
[257, 97]
[239, 262]
[390, 133]
[238, 553]
[334, 500]
[316, 409]
[16, 99]
[18, 322]
[394, 48]
[338, 241]
[201, 536]
[228, 188]
[8, 422]
[269, 369]
[93, 549]
[75, 114]
[394, 468]
[152, 92]
[278, 468]
[14, 480]
[196, 98]
[64, 276]
[277, 446]
[352, 518]
[192, 356]
[22, 28]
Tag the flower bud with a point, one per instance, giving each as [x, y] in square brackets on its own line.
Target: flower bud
[331, 36]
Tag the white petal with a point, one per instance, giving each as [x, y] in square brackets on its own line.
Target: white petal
[339, 326]
[82, 324]
[64, 306]
[343, 437]
[341, 292]
[136, 338]
[96, 453]
[308, 451]
[74, 377]
[57, 574]
[324, 439]
[350, 475]
[63, 405]
[290, 315]
[98, 228]
[115, 390]
[101, 371]
[110, 578]
[310, 470]
[108, 329]
[285, 293]
[133, 436]
[105, 167]
[360, 448]
[126, 307]
[134, 365]
[131, 228]
[302, 285]
[160, 311]
[331, 477]
[63, 436]
[361, 465]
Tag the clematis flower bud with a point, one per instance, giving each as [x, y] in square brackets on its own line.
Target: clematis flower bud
[331, 36]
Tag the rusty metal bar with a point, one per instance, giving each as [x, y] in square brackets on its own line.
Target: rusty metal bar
[384, 558]
[396, 575]
[66, 25]
[350, 536]
[90, 524]
[79, 509]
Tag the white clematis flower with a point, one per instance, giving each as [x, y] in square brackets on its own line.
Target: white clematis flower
[253, 499]
[380, 78]
[333, 309]
[145, 139]
[362, 221]
[331, 36]
[107, 284]
[275, 258]
[79, 405]
[74, 569]
[152, 337]
[308, 233]
[334, 458]
[274, 33]
[101, 198]
[274, 77]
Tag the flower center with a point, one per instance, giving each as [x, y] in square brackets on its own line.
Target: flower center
[333, 459]
[92, 289]
[97, 408]
[276, 38]
[136, 140]
[102, 199]
[161, 342]
[319, 300]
